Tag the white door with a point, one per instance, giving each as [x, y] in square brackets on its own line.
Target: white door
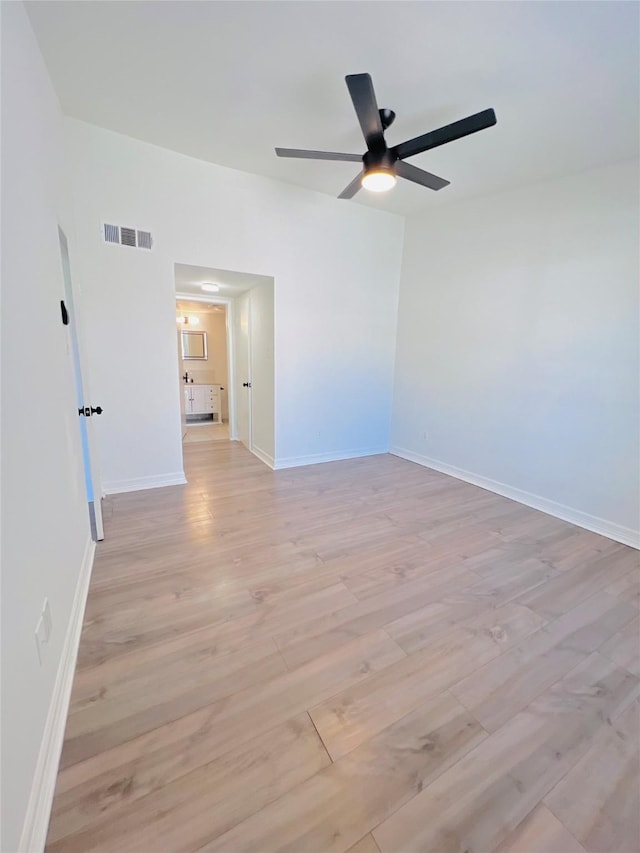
[243, 370]
[91, 477]
[184, 389]
[262, 351]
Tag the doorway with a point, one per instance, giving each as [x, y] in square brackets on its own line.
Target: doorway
[242, 306]
[203, 370]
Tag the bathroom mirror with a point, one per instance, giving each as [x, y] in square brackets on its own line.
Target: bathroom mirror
[194, 346]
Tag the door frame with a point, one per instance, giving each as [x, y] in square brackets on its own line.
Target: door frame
[181, 296]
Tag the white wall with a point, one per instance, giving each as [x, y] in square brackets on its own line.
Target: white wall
[45, 526]
[517, 348]
[335, 265]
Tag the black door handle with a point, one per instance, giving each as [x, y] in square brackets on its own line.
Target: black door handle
[87, 411]
[246, 385]
[97, 410]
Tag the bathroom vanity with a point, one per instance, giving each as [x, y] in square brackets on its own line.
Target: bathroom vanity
[202, 403]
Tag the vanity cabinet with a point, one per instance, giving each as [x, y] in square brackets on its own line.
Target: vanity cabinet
[202, 402]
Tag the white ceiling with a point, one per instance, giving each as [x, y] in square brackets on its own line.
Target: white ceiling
[229, 81]
[189, 281]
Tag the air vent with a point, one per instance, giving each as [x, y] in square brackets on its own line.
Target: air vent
[111, 233]
[128, 236]
[144, 239]
[124, 236]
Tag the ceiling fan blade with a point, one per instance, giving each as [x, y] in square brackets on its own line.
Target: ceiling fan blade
[419, 176]
[352, 189]
[471, 124]
[317, 155]
[364, 100]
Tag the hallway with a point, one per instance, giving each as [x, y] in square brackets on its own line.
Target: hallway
[193, 434]
[360, 653]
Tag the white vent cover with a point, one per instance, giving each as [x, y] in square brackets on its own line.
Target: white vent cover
[111, 233]
[144, 239]
[124, 236]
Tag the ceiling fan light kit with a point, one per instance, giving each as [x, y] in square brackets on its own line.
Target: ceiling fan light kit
[382, 165]
[379, 180]
[379, 173]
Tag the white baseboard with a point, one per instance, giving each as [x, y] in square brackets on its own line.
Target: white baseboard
[116, 487]
[625, 535]
[262, 456]
[317, 458]
[36, 822]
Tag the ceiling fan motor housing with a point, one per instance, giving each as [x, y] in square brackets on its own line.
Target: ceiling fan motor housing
[383, 160]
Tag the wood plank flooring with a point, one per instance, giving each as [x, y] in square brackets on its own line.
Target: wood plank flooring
[361, 656]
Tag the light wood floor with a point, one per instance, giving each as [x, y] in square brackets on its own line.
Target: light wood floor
[364, 656]
[194, 433]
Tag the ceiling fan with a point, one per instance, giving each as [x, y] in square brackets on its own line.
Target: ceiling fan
[380, 164]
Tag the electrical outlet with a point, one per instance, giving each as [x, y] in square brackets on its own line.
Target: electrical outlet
[44, 627]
